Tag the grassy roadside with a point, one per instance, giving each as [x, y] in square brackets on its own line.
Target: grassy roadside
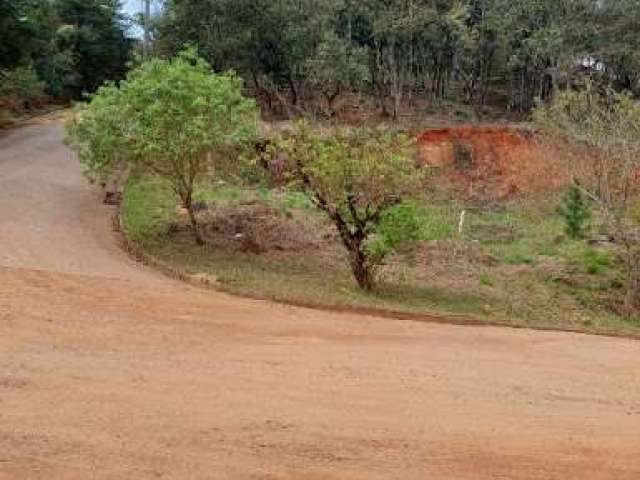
[510, 266]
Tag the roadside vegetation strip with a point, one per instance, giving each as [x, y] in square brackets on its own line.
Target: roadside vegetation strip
[157, 232]
[139, 253]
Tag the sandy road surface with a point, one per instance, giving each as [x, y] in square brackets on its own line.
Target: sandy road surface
[111, 371]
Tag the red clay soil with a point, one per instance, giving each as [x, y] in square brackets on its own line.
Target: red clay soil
[497, 162]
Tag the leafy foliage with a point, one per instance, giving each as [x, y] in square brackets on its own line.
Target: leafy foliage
[360, 180]
[74, 45]
[171, 118]
[335, 67]
[399, 226]
[430, 49]
[21, 89]
[94, 32]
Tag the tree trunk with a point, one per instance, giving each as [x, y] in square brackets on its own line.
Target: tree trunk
[361, 270]
[294, 90]
[355, 245]
[188, 204]
[331, 98]
[396, 106]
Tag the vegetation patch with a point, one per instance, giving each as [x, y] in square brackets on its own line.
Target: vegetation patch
[272, 244]
[339, 217]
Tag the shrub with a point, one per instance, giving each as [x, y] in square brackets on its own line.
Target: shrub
[171, 118]
[575, 211]
[595, 262]
[21, 89]
[399, 226]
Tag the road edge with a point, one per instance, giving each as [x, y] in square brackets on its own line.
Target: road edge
[137, 253]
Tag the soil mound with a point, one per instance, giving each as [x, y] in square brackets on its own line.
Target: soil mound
[492, 162]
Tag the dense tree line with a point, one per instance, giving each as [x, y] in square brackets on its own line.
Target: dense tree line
[309, 54]
[67, 47]
[306, 52]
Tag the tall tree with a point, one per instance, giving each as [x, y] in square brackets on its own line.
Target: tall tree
[16, 32]
[94, 30]
[415, 49]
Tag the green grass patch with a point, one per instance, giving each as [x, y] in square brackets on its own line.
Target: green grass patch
[147, 208]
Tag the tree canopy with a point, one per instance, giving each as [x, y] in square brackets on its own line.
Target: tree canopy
[434, 49]
[169, 118]
[361, 180]
[73, 45]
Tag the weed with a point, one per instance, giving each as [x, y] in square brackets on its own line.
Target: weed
[486, 280]
[595, 262]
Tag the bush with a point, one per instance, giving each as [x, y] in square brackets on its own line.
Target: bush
[595, 262]
[398, 226]
[576, 212]
[174, 119]
[21, 89]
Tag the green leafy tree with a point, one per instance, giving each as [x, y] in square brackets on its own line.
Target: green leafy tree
[478, 51]
[95, 31]
[258, 38]
[16, 32]
[361, 181]
[476, 27]
[171, 118]
[612, 29]
[74, 45]
[335, 67]
[52, 57]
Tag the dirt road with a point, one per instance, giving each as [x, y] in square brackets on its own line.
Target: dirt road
[111, 371]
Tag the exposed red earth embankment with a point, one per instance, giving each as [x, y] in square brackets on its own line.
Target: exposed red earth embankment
[492, 161]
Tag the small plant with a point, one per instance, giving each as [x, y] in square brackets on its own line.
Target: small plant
[595, 262]
[399, 226]
[576, 212]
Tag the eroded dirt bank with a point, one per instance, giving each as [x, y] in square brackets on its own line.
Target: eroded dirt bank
[109, 370]
[494, 162]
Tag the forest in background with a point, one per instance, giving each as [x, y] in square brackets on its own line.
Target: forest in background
[59, 50]
[495, 57]
[307, 54]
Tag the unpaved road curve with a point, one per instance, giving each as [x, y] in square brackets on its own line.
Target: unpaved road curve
[111, 371]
